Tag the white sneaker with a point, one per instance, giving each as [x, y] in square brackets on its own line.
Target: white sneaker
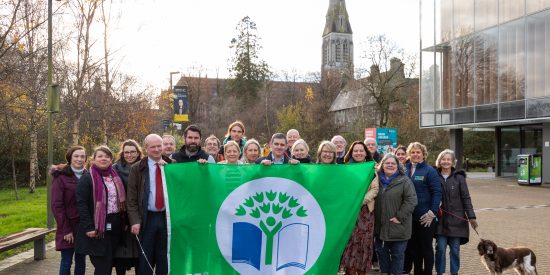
[375, 266]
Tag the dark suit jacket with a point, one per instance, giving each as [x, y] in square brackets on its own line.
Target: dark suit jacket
[138, 191]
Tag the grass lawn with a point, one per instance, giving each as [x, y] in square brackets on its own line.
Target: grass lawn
[17, 215]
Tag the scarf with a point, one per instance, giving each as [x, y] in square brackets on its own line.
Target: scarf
[78, 172]
[100, 196]
[307, 159]
[385, 180]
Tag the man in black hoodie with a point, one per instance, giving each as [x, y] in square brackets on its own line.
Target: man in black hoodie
[191, 150]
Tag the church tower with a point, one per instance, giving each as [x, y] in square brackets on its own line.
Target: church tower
[337, 41]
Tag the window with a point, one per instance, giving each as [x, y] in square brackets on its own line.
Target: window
[338, 51]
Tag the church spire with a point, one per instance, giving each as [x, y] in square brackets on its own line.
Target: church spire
[337, 18]
[337, 41]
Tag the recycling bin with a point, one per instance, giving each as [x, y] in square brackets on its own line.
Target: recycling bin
[529, 169]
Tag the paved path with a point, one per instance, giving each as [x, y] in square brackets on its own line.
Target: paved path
[508, 214]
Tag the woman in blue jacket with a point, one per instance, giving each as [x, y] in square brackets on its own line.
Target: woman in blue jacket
[428, 192]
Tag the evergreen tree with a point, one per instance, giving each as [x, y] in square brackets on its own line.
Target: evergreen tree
[247, 70]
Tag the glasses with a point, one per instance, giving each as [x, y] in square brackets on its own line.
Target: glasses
[212, 144]
[389, 163]
[130, 152]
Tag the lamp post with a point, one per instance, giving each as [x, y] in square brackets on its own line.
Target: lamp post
[52, 108]
[172, 73]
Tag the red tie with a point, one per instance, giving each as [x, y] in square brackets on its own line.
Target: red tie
[159, 196]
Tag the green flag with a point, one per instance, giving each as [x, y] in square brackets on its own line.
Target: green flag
[256, 219]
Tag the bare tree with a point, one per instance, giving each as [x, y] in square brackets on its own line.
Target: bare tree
[389, 71]
[22, 51]
[85, 69]
[9, 37]
[36, 61]
[109, 73]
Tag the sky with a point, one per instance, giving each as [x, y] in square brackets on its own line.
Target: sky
[155, 37]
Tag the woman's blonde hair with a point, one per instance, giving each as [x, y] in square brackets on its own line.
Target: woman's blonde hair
[417, 145]
[330, 146]
[298, 142]
[248, 142]
[231, 143]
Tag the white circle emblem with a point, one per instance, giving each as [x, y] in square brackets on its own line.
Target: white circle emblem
[270, 226]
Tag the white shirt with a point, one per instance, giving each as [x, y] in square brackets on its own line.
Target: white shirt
[413, 168]
[153, 185]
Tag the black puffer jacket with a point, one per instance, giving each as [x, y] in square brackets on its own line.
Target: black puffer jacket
[181, 155]
[456, 207]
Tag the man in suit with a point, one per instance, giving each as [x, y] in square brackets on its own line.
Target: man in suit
[146, 207]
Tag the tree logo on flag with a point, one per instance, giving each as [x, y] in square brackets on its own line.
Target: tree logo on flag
[270, 225]
[273, 204]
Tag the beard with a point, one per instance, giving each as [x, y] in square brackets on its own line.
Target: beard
[192, 147]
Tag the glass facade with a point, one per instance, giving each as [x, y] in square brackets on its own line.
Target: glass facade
[484, 61]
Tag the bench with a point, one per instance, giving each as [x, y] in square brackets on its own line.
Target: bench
[38, 235]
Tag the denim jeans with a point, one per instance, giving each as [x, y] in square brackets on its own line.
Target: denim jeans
[391, 256]
[441, 251]
[67, 261]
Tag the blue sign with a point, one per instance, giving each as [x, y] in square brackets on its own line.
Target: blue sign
[386, 138]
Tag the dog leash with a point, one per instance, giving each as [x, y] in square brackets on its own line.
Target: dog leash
[145, 256]
[460, 218]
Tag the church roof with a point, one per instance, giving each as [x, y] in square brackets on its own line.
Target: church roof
[348, 99]
[337, 18]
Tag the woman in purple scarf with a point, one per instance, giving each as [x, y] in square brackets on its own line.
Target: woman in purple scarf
[101, 201]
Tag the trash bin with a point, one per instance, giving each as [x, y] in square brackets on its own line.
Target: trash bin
[529, 169]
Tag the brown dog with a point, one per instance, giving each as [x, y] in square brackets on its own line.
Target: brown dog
[497, 259]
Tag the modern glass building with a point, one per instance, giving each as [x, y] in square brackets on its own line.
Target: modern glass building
[486, 64]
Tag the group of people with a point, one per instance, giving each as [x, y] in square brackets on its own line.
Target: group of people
[113, 210]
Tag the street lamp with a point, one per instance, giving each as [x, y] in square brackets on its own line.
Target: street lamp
[53, 107]
[172, 73]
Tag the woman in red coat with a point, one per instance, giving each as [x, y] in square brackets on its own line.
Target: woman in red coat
[65, 179]
[357, 256]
